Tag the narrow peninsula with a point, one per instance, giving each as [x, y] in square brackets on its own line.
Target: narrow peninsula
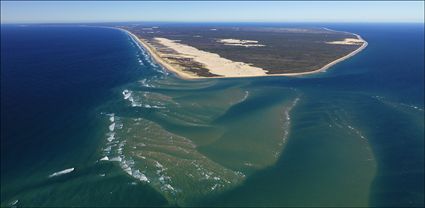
[227, 52]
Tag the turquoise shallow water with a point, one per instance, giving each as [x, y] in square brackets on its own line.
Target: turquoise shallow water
[136, 135]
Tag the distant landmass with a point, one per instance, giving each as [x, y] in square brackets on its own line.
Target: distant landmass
[246, 51]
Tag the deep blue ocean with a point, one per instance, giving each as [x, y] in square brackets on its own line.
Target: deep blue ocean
[59, 83]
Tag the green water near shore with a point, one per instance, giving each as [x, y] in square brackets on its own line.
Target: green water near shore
[211, 139]
[352, 136]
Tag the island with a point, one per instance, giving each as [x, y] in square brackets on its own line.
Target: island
[194, 52]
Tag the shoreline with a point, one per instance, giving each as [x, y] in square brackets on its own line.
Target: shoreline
[158, 59]
[188, 76]
[327, 66]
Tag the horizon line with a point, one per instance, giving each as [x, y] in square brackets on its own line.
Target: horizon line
[254, 21]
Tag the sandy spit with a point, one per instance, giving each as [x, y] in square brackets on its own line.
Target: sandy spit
[225, 68]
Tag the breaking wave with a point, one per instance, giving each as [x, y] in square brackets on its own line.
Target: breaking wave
[62, 172]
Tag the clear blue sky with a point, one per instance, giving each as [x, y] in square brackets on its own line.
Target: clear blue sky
[97, 11]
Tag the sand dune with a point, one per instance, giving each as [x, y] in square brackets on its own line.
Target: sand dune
[237, 42]
[216, 64]
[348, 41]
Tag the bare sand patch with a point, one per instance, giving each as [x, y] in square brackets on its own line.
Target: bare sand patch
[237, 42]
[348, 41]
[213, 62]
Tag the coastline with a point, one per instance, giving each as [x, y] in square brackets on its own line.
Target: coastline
[186, 75]
[327, 66]
[158, 59]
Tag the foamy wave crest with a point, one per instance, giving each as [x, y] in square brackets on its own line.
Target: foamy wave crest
[62, 172]
[111, 136]
[140, 62]
[245, 96]
[126, 94]
[144, 99]
[145, 83]
[357, 132]
[116, 159]
[104, 158]
[170, 163]
[112, 127]
[395, 104]
[156, 67]
[127, 164]
[14, 203]
[287, 117]
[114, 150]
[341, 119]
